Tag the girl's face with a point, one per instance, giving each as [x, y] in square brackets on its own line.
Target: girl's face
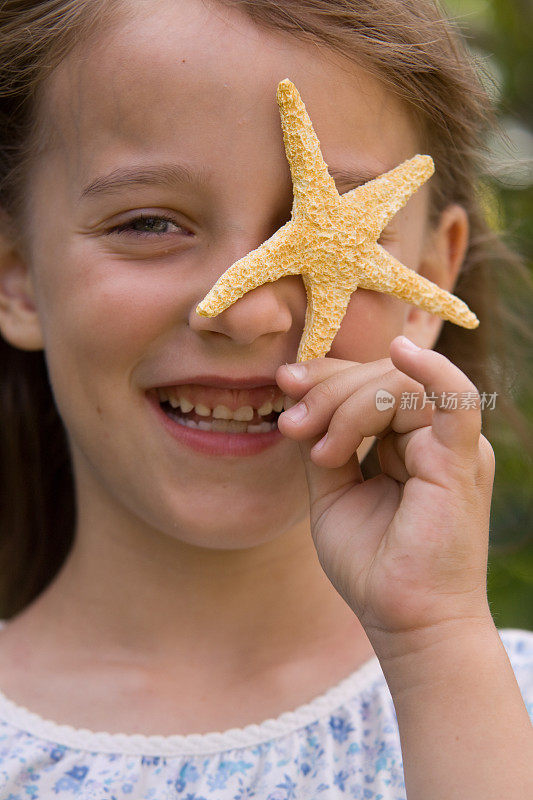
[184, 96]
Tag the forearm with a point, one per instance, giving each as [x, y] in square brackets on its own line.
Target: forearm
[464, 728]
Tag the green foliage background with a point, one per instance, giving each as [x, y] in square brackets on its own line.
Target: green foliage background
[500, 33]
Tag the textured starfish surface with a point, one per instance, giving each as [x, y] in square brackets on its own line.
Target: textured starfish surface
[331, 240]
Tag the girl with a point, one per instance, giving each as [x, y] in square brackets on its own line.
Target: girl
[165, 581]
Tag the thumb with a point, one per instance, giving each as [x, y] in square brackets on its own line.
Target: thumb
[325, 483]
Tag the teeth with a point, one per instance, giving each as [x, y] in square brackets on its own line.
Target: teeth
[262, 427]
[185, 405]
[222, 412]
[235, 426]
[225, 425]
[220, 425]
[244, 414]
[219, 412]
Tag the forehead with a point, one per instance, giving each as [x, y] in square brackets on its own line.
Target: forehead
[196, 82]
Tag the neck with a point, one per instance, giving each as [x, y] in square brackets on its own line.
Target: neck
[129, 593]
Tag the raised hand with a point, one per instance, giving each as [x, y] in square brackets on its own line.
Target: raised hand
[407, 549]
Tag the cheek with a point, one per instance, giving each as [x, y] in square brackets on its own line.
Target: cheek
[101, 316]
[372, 320]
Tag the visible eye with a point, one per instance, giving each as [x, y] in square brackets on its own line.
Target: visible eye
[148, 225]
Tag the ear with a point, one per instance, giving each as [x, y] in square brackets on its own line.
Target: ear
[19, 321]
[441, 260]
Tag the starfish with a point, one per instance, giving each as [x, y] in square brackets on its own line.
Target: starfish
[331, 240]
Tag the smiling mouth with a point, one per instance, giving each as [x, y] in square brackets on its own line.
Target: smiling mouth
[220, 418]
[191, 419]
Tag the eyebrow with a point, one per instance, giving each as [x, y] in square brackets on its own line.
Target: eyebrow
[171, 175]
[167, 175]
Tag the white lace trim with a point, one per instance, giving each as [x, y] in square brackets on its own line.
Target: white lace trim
[196, 743]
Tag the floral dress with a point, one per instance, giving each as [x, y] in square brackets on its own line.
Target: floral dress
[343, 744]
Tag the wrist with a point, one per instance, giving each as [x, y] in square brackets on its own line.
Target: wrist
[428, 656]
[461, 716]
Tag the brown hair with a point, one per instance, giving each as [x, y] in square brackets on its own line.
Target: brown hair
[419, 56]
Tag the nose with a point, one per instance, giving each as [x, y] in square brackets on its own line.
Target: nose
[270, 310]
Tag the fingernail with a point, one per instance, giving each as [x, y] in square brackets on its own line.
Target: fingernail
[297, 412]
[407, 344]
[319, 445]
[296, 370]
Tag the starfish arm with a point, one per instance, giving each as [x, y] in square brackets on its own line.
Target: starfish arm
[326, 307]
[312, 183]
[391, 277]
[274, 259]
[377, 201]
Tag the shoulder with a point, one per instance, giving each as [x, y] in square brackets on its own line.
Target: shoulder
[519, 646]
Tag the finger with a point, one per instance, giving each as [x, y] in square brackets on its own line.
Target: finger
[296, 380]
[325, 484]
[362, 416]
[413, 449]
[392, 461]
[319, 400]
[457, 428]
